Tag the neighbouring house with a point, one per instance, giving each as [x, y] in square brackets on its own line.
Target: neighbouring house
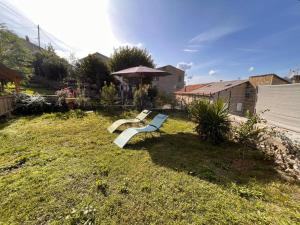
[295, 79]
[6, 100]
[102, 57]
[240, 95]
[171, 83]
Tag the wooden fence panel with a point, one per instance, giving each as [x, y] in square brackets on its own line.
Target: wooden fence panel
[6, 104]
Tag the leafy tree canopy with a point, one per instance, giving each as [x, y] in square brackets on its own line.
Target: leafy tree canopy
[92, 70]
[47, 64]
[126, 57]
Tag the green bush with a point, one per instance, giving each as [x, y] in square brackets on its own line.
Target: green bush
[140, 97]
[92, 71]
[249, 133]
[48, 64]
[211, 118]
[108, 94]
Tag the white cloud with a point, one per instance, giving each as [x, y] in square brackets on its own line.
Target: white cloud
[251, 69]
[215, 33]
[212, 72]
[184, 66]
[190, 50]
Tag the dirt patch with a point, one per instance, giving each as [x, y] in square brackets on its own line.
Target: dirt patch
[243, 165]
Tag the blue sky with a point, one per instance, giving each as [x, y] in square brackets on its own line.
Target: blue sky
[215, 39]
[211, 39]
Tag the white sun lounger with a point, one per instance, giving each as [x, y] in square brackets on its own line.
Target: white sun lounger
[137, 119]
[127, 134]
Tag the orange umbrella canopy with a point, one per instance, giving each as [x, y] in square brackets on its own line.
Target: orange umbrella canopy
[140, 72]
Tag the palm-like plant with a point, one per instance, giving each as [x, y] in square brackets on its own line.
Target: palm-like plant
[211, 118]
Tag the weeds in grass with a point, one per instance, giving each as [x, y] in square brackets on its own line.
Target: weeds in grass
[246, 192]
[85, 216]
[102, 186]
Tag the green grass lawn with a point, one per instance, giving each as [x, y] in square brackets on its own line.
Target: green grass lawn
[60, 168]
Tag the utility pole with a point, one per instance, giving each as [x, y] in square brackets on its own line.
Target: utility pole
[39, 38]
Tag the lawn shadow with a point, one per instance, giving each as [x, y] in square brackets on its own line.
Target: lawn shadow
[223, 164]
[7, 121]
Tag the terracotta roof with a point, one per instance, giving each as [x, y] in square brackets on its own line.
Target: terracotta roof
[189, 88]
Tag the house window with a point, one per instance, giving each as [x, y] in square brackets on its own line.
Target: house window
[239, 107]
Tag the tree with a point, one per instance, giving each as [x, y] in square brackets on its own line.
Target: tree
[93, 71]
[48, 64]
[126, 57]
[14, 53]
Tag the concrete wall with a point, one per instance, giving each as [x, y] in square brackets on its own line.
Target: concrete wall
[170, 83]
[283, 104]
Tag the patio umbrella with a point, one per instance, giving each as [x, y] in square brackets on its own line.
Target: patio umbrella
[140, 72]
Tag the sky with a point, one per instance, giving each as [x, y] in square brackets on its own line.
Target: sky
[210, 39]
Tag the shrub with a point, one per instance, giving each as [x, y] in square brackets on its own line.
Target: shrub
[26, 104]
[211, 118]
[249, 133]
[140, 97]
[108, 94]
